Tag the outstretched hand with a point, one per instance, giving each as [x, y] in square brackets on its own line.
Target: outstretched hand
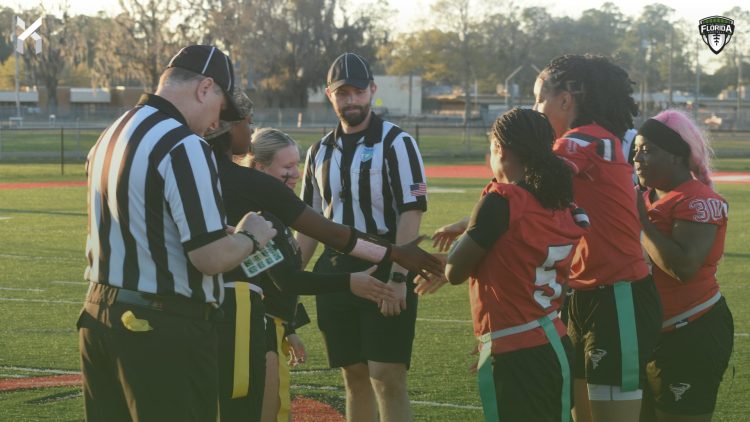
[297, 353]
[432, 283]
[416, 259]
[444, 237]
[364, 285]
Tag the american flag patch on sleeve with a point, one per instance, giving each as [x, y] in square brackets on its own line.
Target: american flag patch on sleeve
[418, 189]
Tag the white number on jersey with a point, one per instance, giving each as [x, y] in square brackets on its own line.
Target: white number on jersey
[546, 275]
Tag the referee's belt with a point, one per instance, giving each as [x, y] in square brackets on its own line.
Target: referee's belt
[517, 329]
[253, 287]
[104, 294]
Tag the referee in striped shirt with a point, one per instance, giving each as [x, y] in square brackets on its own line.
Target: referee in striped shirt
[367, 174]
[156, 247]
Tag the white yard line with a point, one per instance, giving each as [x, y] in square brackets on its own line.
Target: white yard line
[84, 283]
[37, 257]
[22, 290]
[438, 189]
[453, 321]
[13, 299]
[417, 402]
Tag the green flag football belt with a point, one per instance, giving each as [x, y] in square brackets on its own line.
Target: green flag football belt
[484, 371]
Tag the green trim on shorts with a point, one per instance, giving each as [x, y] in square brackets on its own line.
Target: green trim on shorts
[628, 335]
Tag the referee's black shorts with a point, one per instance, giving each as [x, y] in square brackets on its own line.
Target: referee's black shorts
[353, 328]
[689, 363]
[247, 408]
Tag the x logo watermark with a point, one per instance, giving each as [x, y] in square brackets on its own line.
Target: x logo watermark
[26, 33]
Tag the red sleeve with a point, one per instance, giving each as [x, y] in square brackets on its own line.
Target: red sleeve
[575, 154]
[701, 209]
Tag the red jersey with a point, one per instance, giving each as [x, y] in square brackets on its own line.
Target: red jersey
[690, 201]
[521, 277]
[603, 187]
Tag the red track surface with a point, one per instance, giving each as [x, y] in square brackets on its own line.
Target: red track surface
[303, 409]
[10, 384]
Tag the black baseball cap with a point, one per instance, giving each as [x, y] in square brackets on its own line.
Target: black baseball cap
[349, 69]
[209, 61]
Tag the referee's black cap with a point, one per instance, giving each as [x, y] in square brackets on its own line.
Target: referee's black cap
[208, 60]
[349, 69]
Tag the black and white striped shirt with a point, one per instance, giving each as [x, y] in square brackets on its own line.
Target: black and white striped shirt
[371, 184]
[153, 195]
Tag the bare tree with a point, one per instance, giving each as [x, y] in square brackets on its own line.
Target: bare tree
[151, 37]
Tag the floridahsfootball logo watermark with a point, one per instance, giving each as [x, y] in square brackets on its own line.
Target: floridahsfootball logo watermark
[716, 32]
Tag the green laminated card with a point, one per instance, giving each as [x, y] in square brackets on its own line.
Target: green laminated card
[262, 260]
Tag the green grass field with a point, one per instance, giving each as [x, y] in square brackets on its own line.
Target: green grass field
[42, 235]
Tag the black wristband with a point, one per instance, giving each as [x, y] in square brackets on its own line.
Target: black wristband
[250, 236]
[367, 246]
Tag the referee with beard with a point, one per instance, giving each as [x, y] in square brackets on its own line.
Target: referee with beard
[367, 174]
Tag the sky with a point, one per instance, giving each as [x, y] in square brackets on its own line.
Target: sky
[412, 11]
[415, 14]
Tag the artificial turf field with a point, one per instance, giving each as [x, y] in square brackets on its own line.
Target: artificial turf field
[42, 236]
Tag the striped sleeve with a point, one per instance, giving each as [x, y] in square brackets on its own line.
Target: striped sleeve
[191, 192]
[310, 190]
[406, 174]
[575, 152]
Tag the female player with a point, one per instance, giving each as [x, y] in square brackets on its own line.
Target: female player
[614, 309]
[517, 250]
[684, 225]
[242, 376]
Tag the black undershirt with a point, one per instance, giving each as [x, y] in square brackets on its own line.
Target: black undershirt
[489, 220]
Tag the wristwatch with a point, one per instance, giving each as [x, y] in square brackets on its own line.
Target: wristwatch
[256, 245]
[398, 277]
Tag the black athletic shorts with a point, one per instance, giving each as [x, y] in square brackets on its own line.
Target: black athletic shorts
[353, 328]
[594, 330]
[247, 408]
[528, 383]
[689, 363]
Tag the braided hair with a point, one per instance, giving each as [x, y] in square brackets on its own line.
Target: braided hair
[602, 90]
[529, 135]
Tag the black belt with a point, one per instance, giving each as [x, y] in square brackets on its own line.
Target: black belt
[105, 294]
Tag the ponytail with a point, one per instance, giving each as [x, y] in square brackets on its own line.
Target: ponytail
[529, 136]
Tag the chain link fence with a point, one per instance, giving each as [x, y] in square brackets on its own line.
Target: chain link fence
[70, 141]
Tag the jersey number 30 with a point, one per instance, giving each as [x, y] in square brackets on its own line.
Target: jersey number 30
[546, 275]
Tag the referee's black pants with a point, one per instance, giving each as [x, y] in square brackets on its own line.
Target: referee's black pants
[168, 373]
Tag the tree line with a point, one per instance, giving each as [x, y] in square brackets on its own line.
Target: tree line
[282, 48]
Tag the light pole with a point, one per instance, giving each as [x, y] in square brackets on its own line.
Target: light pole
[507, 91]
[739, 86]
[14, 25]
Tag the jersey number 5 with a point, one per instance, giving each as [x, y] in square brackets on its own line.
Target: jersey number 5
[546, 275]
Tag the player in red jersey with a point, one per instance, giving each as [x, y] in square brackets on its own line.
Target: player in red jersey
[517, 250]
[613, 311]
[684, 225]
